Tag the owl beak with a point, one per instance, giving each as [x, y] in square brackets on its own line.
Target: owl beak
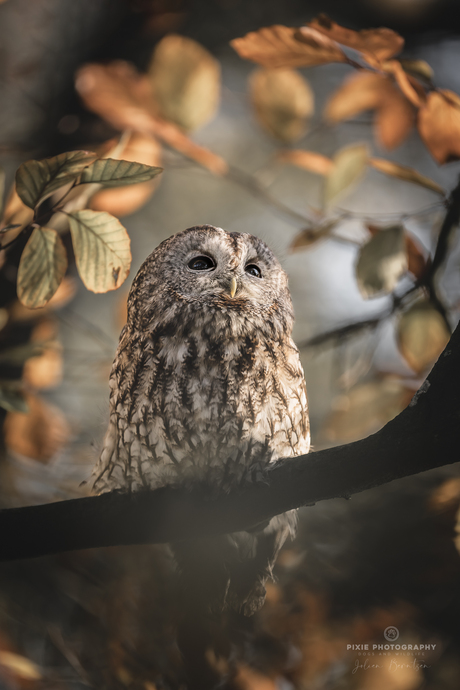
[233, 286]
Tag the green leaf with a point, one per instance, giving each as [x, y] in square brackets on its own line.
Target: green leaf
[381, 262]
[349, 166]
[42, 267]
[12, 397]
[102, 249]
[35, 180]
[114, 173]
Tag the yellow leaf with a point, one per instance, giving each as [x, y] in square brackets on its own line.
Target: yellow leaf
[186, 81]
[42, 267]
[102, 249]
[381, 262]
[403, 172]
[283, 101]
[308, 160]
[422, 335]
[35, 180]
[349, 167]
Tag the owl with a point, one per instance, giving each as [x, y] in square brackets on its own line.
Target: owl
[207, 389]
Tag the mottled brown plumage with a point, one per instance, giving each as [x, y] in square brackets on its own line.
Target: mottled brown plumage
[207, 387]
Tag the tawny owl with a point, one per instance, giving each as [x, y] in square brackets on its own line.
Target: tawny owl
[207, 387]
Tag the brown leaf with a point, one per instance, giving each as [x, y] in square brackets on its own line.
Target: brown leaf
[16, 213]
[309, 236]
[381, 43]
[125, 200]
[422, 335]
[417, 259]
[283, 100]
[350, 164]
[370, 91]
[410, 87]
[308, 160]
[39, 433]
[439, 125]
[186, 81]
[44, 371]
[418, 68]
[124, 98]
[278, 46]
[403, 172]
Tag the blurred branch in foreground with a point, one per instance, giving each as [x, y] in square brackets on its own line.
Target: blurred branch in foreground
[424, 436]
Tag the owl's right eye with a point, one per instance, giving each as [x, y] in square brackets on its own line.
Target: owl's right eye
[201, 263]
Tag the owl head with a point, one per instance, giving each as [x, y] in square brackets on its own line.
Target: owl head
[210, 269]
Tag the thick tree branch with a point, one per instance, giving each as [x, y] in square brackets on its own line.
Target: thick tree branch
[424, 436]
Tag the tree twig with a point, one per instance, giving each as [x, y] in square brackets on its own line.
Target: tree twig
[424, 436]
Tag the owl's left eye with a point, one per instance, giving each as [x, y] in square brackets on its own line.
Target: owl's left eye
[253, 270]
[201, 263]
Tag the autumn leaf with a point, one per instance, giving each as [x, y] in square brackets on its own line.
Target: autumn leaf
[42, 267]
[421, 335]
[124, 98]
[63, 295]
[308, 160]
[35, 180]
[370, 91]
[102, 249]
[417, 259]
[310, 236]
[439, 125]
[349, 166]
[403, 172]
[39, 433]
[44, 370]
[277, 46]
[419, 69]
[126, 200]
[186, 81]
[381, 262]
[380, 43]
[283, 100]
[20, 666]
[15, 211]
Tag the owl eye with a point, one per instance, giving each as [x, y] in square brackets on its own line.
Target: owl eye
[253, 270]
[201, 263]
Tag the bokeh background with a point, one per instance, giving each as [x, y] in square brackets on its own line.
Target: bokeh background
[387, 557]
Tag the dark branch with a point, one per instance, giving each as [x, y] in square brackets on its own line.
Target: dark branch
[424, 436]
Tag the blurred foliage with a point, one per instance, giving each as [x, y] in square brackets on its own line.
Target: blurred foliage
[109, 618]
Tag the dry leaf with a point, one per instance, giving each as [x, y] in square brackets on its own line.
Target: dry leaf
[38, 434]
[16, 212]
[277, 46]
[308, 160]
[186, 81]
[381, 262]
[349, 166]
[283, 101]
[418, 68]
[310, 236]
[422, 335]
[126, 200]
[380, 43]
[439, 125]
[102, 249]
[365, 409]
[370, 91]
[123, 97]
[402, 172]
[411, 87]
[417, 259]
